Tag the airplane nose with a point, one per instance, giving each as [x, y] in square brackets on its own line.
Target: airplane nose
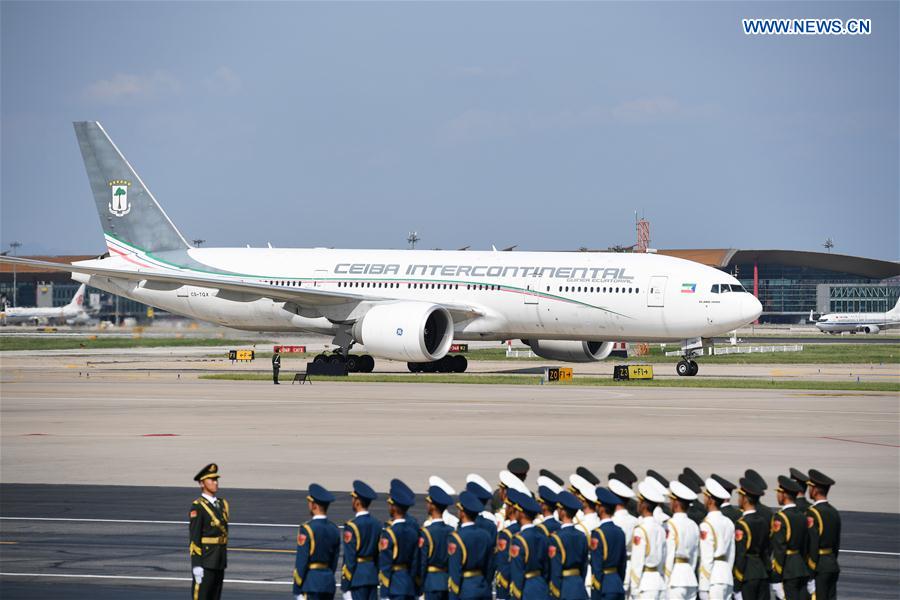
[752, 308]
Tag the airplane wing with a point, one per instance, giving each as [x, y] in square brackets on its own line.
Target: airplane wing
[310, 297]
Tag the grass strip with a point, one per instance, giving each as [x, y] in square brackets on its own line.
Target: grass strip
[773, 384]
[15, 342]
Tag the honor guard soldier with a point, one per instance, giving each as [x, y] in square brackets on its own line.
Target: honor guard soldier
[359, 575]
[448, 517]
[398, 546]
[479, 487]
[568, 552]
[716, 580]
[471, 554]
[682, 545]
[547, 497]
[662, 512]
[728, 509]
[318, 548]
[209, 536]
[504, 541]
[824, 527]
[623, 518]
[801, 478]
[626, 476]
[788, 539]
[648, 546]
[276, 365]
[761, 484]
[508, 481]
[608, 556]
[432, 562]
[697, 510]
[751, 545]
[529, 567]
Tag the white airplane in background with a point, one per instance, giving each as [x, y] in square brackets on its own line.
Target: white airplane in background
[72, 313]
[858, 322]
[407, 305]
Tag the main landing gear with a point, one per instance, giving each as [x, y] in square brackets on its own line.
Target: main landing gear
[687, 366]
[450, 363]
[355, 363]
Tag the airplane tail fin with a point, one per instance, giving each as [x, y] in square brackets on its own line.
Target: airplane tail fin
[78, 299]
[131, 218]
[896, 309]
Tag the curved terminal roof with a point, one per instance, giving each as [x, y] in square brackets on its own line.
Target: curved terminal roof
[725, 257]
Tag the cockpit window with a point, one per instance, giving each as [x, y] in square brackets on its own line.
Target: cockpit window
[737, 288]
[715, 288]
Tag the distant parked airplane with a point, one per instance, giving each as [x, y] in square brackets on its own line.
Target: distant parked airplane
[858, 322]
[72, 313]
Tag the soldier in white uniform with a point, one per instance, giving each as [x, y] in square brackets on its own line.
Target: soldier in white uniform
[648, 547]
[682, 544]
[661, 484]
[716, 545]
[624, 520]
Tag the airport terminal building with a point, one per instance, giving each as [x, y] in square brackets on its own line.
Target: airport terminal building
[788, 283]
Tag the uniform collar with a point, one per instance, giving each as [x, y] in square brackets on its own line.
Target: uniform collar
[749, 512]
[819, 502]
[602, 521]
[362, 512]
[318, 517]
[211, 499]
[564, 525]
[395, 521]
[466, 524]
[679, 515]
[528, 526]
[790, 505]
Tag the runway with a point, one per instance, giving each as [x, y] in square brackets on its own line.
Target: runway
[107, 532]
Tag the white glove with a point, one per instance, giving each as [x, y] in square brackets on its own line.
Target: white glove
[198, 574]
[777, 590]
[738, 596]
[701, 595]
[298, 597]
[347, 596]
[811, 586]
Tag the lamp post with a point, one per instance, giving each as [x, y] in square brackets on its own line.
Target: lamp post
[15, 246]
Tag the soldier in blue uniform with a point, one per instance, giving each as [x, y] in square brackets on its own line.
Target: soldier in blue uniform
[318, 548]
[529, 566]
[470, 553]
[608, 556]
[359, 575]
[485, 519]
[547, 498]
[568, 552]
[504, 541]
[398, 546]
[431, 564]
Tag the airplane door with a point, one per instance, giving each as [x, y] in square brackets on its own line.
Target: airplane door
[529, 296]
[656, 295]
[320, 274]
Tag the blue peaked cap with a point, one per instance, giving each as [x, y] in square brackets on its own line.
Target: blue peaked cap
[479, 492]
[470, 502]
[319, 494]
[362, 491]
[401, 494]
[604, 496]
[438, 496]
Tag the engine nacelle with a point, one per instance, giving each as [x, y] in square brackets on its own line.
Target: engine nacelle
[570, 350]
[407, 331]
[871, 328]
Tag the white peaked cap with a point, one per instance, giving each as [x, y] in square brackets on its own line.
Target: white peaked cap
[715, 489]
[620, 489]
[513, 482]
[479, 481]
[549, 483]
[653, 492]
[584, 487]
[657, 485]
[435, 480]
[681, 491]
[450, 519]
[660, 515]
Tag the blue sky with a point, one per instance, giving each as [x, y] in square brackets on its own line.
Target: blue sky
[545, 125]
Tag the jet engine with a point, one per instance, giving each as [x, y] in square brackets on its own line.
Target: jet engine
[570, 350]
[407, 331]
[871, 328]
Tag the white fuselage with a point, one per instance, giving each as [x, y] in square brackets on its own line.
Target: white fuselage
[538, 295]
[863, 322]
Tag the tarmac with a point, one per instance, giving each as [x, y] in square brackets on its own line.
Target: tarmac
[131, 426]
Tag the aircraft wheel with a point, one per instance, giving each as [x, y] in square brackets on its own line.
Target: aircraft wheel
[429, 367]
[353, 363]
[413, 367]
[683, 368]
[320, 358]
[336, 359]
[694, 368]
[460, 363]
[366, 363]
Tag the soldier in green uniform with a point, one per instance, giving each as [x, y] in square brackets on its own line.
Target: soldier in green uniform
[824, 526]
[209, 536]
[751, 546]
[276, 365]
[788, 539]
[801, 478]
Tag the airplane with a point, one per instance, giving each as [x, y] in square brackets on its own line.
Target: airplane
[406, 305]
[858, 322]
[72, 313]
